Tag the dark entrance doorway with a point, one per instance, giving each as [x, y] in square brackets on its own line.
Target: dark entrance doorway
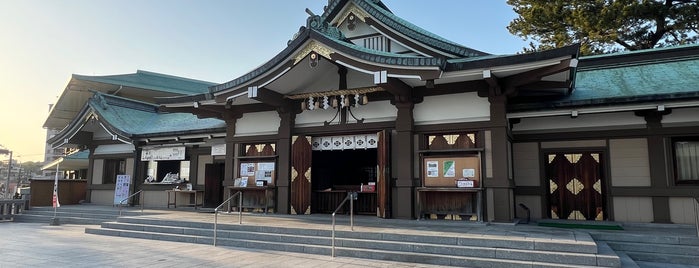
[213, 188]
[575, 186]
[335, 173]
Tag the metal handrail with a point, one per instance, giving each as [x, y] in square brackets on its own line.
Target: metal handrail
[240, 212]
[350, 196]
[127, 198]
[696, 213]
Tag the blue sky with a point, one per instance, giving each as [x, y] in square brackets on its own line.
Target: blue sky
[45, 41]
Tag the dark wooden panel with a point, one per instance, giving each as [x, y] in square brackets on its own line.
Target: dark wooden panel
[301, 156]
[383, 183]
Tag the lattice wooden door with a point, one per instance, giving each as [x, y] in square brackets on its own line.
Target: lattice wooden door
[576, 186]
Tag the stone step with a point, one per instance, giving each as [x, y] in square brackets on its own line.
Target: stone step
[383, 254]
[39, 218]
[86, 210]
[585, 246]
[373, 243]
[664, 258]
[647, 238]
[655, 248]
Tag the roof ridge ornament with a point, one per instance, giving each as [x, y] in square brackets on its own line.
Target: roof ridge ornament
[317, 23]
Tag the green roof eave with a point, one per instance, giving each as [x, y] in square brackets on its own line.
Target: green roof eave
[656, 79]
[500, 60]
[152, 81]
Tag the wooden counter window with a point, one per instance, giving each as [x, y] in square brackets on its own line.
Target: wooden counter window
[449, 201]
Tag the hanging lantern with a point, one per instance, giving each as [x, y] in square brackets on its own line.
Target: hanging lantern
[365, 100]
[303, 105]
[334, 104]
[317, 105]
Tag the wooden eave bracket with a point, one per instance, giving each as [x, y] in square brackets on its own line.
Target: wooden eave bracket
[400, 90]
[267, 96]
[533, 76]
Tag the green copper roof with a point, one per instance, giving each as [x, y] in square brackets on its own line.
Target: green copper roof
[631, 77]
[152, 81]
[142, 119]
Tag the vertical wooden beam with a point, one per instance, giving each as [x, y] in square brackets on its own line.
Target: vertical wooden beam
[656, 162]
[283, 183]
[402, 154]
[499, 186]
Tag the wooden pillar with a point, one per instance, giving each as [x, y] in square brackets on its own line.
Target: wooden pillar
[402, 154]
[90, 172]
[499, 187]
[229, 163]
[283, 182]
[656, 162]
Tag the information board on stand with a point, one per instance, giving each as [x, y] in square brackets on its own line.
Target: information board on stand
[121, 191]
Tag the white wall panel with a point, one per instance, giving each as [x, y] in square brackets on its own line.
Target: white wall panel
[622, 120]
[102, 197]
[97, 171]
[261, 123]
[681, 117]
[633, 209]
[114, 149]
[682, 210]
[629, 162]
[452, 108]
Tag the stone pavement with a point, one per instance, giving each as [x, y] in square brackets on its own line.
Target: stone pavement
[42, 245]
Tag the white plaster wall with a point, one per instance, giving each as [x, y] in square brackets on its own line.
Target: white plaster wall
[378, 111]
[682, 210]
[114, 149]
[97, 171]
[533, 202]
[633, 209]
[155, 199]
[573, 144]
[526, 164]
[201, 167]
[629, 162]
[452, 108]
[681, 117]
[261, 123]
[102, 197]
[587, 122]
[314, 118]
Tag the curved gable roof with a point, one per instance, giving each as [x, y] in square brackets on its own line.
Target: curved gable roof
[381, 13]
[127, 119]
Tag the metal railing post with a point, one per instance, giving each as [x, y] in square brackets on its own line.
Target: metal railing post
[121, 203]
[240, 212]
[240, 208]
[350, 196]
[696, 214]
[353, 194]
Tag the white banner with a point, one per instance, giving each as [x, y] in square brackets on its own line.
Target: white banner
[164, 153]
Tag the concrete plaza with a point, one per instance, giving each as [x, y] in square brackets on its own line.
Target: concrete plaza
[42, 245]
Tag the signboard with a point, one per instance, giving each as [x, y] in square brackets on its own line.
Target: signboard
[121, 191]
[218, 149]
[164, 153]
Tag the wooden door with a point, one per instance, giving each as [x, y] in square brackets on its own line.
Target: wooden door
[383, 178]
[301, 155]
[576, 186]
[213, 188]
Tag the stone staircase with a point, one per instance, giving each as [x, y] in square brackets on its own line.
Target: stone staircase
[83, 214]
[448, 249]
[654, 247]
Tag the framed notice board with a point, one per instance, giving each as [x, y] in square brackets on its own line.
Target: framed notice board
[258, 171]
[446, 171]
